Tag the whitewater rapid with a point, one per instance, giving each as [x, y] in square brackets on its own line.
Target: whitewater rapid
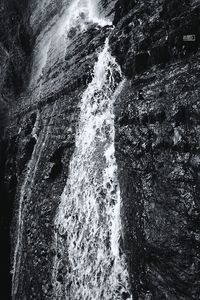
[89, 263]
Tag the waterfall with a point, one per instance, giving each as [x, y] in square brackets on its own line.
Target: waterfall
[89, 263]
[52, 43]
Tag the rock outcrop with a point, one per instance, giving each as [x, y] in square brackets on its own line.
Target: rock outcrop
[157, 146]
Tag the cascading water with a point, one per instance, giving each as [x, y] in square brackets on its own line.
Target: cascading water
[53, 41]
[89, 263]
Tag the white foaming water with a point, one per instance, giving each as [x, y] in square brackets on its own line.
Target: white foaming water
[79, 14]
[52, 42]
[89, 263]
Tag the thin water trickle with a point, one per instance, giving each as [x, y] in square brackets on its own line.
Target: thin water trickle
[24, 197]
[89, 263]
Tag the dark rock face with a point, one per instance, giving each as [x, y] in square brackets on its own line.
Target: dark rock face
[157, 148]
[158, 142]
[15, 50]
[157, 137]
[152, 33]
[5, 220]
[16, 44]
[53, 147]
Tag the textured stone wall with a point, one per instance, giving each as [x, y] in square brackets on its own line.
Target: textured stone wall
[157, 147]
[15, 45]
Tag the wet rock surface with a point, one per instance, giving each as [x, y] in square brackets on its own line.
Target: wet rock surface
[152, 33]
[157, 149]
[157, 140]
[42, 195]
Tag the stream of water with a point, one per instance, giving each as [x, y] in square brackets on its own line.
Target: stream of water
[89, 263]
[51, 44]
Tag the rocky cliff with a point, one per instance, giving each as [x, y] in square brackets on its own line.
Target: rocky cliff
[49, 50]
